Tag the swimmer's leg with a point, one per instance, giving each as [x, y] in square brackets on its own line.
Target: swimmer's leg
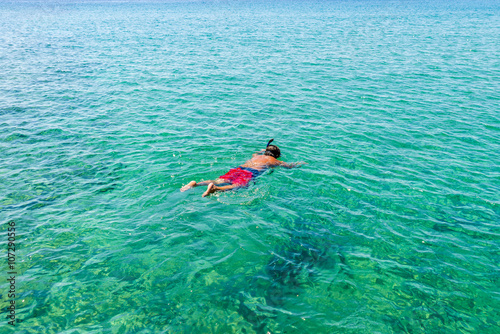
[213, 188]
[193, 184]
[189, 186]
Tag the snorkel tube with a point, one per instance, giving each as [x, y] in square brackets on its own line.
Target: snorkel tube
[272, 150]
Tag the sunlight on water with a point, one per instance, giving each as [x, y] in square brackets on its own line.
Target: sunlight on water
[107, 109]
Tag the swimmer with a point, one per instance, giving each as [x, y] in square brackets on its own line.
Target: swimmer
[242, 175]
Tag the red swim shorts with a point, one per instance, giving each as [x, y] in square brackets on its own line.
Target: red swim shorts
[237, 176]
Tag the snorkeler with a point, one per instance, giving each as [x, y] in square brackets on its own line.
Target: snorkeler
[242, 175]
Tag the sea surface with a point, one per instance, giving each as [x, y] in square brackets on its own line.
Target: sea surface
[108, 108]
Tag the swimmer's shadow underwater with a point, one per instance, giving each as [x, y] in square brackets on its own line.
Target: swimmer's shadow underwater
[241, 176]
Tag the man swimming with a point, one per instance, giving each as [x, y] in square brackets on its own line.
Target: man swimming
[242, 175]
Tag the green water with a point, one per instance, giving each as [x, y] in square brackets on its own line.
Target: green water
[107, 109]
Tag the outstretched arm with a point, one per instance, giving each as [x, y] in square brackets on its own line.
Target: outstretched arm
[292, 164]
[259, 152]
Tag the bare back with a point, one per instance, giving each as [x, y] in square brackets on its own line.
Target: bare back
[261, 162]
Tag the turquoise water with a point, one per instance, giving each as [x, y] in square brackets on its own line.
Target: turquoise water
[107, 109]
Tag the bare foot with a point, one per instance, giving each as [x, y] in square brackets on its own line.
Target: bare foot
[210, 189]
[188, 186]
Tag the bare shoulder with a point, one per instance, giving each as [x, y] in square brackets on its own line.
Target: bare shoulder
[262, 161]
[266, 160]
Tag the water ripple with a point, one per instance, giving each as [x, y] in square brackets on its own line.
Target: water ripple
[392, 226]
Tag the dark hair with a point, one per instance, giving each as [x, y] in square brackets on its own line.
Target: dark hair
[273, 151]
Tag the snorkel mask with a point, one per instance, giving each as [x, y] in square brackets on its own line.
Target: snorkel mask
[272, 150]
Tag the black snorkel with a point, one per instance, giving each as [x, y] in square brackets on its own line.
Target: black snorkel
[272, 150]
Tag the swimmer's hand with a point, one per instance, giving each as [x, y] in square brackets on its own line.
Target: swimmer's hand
[298, 164]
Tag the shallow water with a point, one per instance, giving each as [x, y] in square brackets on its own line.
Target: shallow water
[391, 227]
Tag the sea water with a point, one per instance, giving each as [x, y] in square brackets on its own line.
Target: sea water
[108, 108]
